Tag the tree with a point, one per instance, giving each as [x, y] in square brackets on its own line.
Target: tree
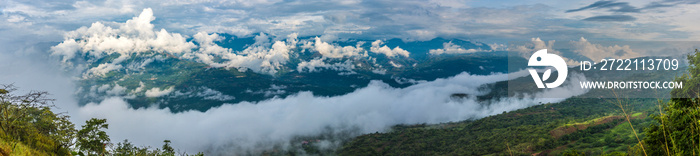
[15, 110]
[124, 148]
[28, 119]
[167, 149]
[677, 131]
[92, 139]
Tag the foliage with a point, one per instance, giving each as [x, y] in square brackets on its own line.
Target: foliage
[125, 148]
[677, 128]
[29, 127]
[575, 127]
[28, 119]
[597, 128]
[92, 139]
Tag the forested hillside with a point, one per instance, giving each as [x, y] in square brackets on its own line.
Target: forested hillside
[576, 126]
[593, 126]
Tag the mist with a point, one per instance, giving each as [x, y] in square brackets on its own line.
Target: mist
[254, 127]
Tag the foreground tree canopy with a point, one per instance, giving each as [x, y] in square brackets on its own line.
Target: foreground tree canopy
[29, 127]
[677, 131]
[28, 119]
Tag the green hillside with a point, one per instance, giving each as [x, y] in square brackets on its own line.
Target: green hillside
[593, 126]
[576, 126]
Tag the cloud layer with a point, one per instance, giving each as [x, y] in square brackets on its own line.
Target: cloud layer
[255, 127]
[110, 46]
[411, 20]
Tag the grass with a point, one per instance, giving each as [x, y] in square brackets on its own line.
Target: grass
[6, 148]
[637, 114]
[15, 148]
[588, 122]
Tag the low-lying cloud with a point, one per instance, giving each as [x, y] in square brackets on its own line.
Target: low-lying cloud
[255, 127]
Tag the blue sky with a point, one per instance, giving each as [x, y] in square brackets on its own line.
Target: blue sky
[489, 21]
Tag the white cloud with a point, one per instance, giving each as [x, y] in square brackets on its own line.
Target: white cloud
[378, 48]
[596, 52]
[333, 51]
[451, 48]
[526, 49]
[315, 64]
[263, 57]
[139, 89]
[138, 35]
[395, 65]
[134, 36]
[379, 71]
[101, 70]
[204, 93]
[15, 19]
[116, 90]
[157, 92]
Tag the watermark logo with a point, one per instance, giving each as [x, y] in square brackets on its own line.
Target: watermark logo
[542, 58]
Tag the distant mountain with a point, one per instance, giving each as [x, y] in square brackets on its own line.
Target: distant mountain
[180, 83]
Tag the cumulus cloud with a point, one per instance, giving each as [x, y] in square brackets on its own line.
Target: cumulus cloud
[378, 48]
[395, 65]
[379, 71]
[116, 90]
[535, 44]
[274, 90]
[262, 56]
[101, 70]
[451, 48]
[596, 52]
[141, 87]
[204, 93]
[316, 64]
[157, 92]
[134, 36]
[138, 35]
[526, 49]
[333, 51]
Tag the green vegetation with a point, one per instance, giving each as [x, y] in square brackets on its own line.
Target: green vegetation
[576, 126]
[591, 126]
[29, 127]
[677, 128]
[125, 148]
[91, 139]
